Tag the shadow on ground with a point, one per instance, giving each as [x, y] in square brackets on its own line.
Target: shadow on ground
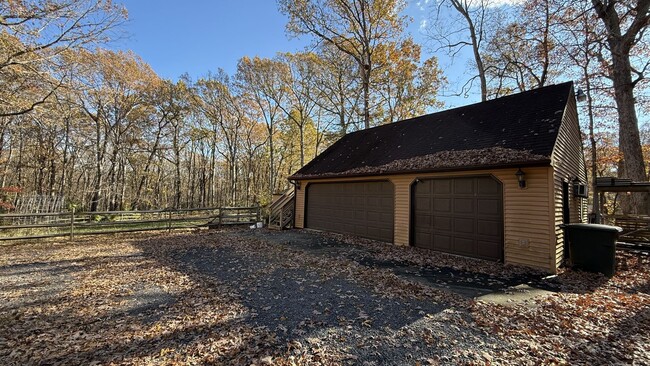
[466, 283]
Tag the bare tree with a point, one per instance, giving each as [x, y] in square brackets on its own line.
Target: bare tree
[356, 27]
[32, 36]
[469, 28]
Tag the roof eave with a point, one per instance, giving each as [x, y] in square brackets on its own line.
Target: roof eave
[520, 164]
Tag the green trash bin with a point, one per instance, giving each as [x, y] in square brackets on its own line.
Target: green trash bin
[592, 247]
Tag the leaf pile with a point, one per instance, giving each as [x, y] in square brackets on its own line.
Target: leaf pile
[492, 156]
[593, 320]
[230, 297]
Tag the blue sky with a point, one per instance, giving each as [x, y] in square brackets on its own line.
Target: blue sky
[198, 36]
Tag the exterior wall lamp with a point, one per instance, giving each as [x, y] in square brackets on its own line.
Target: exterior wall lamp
[521, 178]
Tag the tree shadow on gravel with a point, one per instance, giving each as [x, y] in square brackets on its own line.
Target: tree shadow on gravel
[293, 300]
[288, 298]
[466, 283]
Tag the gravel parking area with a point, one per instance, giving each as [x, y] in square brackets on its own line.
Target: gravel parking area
[298, 297]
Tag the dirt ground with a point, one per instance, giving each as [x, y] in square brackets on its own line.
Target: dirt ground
[298, 297]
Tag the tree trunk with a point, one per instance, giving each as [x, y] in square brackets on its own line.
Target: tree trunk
[620, 45]
[462, 8]
[66, 145]
[271, 163]
[302, 144]
[177, 175]
[365, 74]
[629, 140]
[145, 172]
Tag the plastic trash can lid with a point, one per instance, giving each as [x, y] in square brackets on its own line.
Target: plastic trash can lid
[596, 227]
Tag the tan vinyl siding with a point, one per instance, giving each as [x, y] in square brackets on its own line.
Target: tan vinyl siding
[402, 208]
[528, 225]
[299, 214]
[568, 163]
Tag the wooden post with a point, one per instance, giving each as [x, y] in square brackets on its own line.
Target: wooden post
[258, 216]
[72, 224]
[220, 216]
[169, 221]
[281, 219]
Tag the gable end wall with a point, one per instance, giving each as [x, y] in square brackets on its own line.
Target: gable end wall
[568, 163]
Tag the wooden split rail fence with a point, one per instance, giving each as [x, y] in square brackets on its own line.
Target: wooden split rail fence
[22, 226]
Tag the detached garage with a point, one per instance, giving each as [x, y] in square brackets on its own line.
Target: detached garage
[492, 180]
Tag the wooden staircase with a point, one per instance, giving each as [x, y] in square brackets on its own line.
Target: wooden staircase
[281, 211]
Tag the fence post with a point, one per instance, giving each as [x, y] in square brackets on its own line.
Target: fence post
[72, 224]
[169, 221]
[259, 215]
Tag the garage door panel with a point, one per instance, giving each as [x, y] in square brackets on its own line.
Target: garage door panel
[459, 215]
[426, 239]
[442, 242]
[442, 223]
[489, 187]
[440, 186]
[463, 205]
[464, 246]
[486, 248]
[422, 202]
[488, 206]
[360, 231]
[441, 205]
[489, 228]
[373, 216]
[463, 225]
[359, 208]
[463, 186]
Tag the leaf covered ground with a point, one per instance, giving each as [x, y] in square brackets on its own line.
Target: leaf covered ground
[292, 298]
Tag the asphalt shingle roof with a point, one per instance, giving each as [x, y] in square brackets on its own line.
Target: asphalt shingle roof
[519, 128]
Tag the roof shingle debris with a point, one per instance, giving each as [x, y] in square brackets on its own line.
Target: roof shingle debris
[519, 128]
[493, 156]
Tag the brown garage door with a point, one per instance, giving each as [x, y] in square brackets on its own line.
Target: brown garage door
[460, 216]
[360, 208]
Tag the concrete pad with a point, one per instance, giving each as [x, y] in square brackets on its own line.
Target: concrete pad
[518, 295]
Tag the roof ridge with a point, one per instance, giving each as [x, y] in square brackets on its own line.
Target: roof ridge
[520, 94]
[527, 121]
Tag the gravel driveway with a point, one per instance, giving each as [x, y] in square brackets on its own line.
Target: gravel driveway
[297, 297]
[308, 288]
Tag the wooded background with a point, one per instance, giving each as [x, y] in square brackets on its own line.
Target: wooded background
[102, 129]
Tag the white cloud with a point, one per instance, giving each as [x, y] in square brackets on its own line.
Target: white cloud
[494, 3]
[422, 4]
[423, 25]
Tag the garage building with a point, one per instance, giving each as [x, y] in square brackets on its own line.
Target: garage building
[492, 180]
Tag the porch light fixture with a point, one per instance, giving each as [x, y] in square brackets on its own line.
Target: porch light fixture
[297, 184]
[580, 95]
[521, 178]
